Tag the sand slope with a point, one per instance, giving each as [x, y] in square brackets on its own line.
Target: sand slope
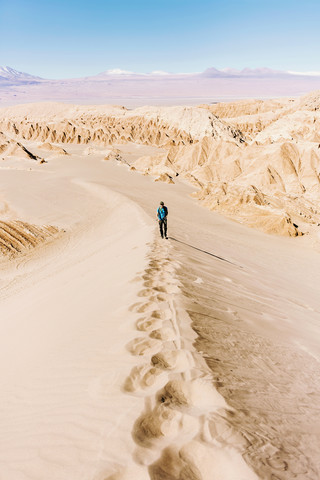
[103, 377]
[100, 379]
[63, 414]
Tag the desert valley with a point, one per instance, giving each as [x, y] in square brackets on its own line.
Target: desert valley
[125, 356]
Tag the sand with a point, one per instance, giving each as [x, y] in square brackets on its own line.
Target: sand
[103, 375]
[64, 329]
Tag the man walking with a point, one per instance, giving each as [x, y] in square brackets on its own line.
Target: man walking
[162, 214]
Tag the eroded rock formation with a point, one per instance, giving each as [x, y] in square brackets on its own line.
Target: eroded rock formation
[255, 161]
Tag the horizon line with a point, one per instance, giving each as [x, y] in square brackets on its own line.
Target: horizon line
[162, 73]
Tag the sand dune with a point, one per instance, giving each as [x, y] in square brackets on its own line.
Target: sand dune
[63, 410]
[62, 388]
[169, 433]
[125, 356]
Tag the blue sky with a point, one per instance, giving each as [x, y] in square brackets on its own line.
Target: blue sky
[63, 39]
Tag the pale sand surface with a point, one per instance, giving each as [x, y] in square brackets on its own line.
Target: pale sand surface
[64, 327]
[70, 312]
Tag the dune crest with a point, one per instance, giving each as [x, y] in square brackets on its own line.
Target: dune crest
[177, 433]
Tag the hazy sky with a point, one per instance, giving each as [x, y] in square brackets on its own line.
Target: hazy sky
[72, 38]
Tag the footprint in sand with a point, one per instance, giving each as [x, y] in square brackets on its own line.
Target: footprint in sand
[151, 272]
[170, 466]
[146, 292]
[176, 360]
[145, 378]
[150, 323]
[144, 346]
[155, 286]
[166, 334]
[160, 281]
[155, 265]
[197, 461]
[162, 426]
[164, 265]
[195, 397]
[157, 293]
[143, 307]
[148, 278]
[159, 288]
[160, 297]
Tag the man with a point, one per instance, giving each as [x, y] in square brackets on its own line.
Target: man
[162, 214]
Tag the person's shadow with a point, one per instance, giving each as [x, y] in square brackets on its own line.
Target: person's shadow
[204, 251]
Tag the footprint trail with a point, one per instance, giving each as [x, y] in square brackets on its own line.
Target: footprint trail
[183, 432]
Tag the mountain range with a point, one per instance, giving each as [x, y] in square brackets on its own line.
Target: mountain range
[157, 87]
[10, 76]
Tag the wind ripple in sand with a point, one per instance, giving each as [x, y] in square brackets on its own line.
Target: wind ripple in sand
[273, 387]
[17, 237]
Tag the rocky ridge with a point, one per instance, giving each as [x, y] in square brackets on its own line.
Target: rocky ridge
[257, 162]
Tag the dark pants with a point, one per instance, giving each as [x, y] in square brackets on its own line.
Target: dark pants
[163, 227]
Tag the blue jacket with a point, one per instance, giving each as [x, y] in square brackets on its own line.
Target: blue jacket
[162, 212]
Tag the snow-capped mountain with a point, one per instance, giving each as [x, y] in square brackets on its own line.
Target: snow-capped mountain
[10, 76]
[117, 86]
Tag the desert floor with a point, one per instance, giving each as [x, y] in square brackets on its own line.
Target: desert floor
[125, 356]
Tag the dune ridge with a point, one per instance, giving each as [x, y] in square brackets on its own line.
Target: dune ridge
[110, 294]
[182, 432]
[63, 412]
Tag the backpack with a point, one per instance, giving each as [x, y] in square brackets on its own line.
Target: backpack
[165, 210]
